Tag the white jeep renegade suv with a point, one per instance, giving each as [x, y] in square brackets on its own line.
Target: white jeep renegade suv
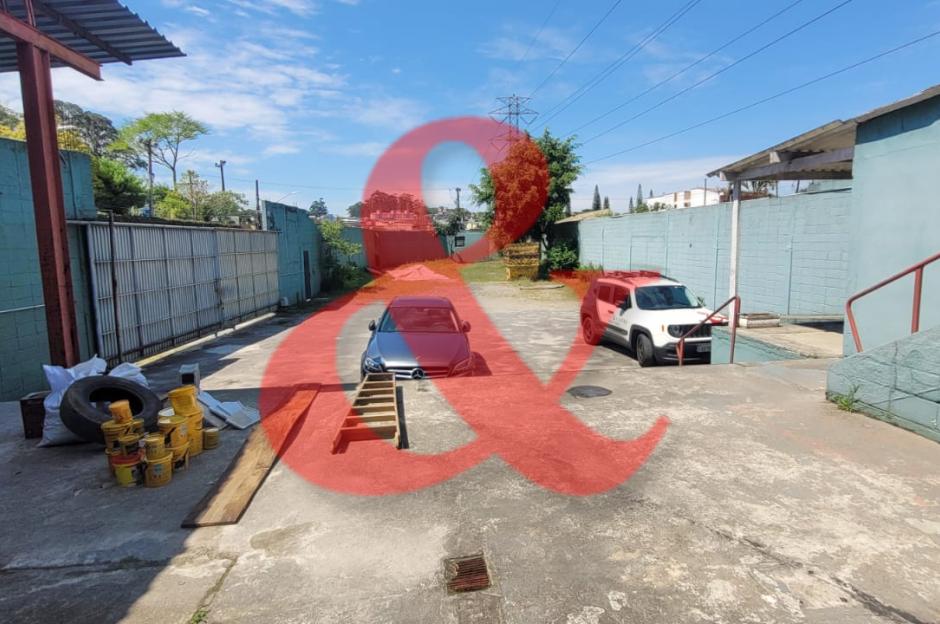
[647, 313]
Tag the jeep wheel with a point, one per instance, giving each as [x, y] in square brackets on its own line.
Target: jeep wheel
[644, 351]
[589, 332]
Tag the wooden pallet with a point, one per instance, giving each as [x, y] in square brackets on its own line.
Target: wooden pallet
[374, 413]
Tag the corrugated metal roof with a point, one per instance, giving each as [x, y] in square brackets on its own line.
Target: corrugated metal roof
[831, 137]
[104, 30]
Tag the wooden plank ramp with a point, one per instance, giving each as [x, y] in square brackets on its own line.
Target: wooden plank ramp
[228, 499]
[374, 413]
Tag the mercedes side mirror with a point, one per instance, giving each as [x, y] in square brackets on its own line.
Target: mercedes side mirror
[372, 325]
[465, 326]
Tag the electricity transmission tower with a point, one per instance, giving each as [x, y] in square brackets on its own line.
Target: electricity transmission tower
[513, 109]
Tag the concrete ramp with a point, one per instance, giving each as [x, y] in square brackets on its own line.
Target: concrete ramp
[898, 382]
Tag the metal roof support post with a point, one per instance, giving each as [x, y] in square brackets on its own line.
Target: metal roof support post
[42, 148]
[735, 236]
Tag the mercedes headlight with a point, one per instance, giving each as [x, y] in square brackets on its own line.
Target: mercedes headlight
[373, 365]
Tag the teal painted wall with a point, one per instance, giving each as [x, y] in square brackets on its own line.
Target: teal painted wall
[448, 243]
[896, 220]
[24, 345]
[297, 233]
[793, 250]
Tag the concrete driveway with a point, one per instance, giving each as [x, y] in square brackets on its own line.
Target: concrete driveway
[762, 503]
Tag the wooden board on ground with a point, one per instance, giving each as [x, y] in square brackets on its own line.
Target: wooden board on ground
[374, 413]
[227, 501]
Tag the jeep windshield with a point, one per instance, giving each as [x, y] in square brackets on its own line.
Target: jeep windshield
[665, 297]
[419, 319]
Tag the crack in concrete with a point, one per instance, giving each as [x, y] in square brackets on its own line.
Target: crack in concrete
[868, 601]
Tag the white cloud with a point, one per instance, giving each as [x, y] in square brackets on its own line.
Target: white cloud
[369, 149]
[619, 180]
[513, 43]
[393, 113]
[281, 148]
[198, 10]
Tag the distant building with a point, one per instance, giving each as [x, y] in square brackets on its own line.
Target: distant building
[699, 196]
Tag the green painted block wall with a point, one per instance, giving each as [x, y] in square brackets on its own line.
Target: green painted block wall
[297, 233]
[23, 343]
[895, 220]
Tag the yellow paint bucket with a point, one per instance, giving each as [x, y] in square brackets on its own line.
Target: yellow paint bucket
[127, 469]
[111, 454]
[179, 451]
[112, 432]
[159, 471]
[174, 430]
[210, 437]
[121, 412]
[195, 420]
[180, 457]
[183, 400]
[129, 443]
[137, 426]
[155, 444]
[195, 443]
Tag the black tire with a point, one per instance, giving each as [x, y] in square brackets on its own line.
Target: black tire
[645, 354]
[80, 410]
[589, 331]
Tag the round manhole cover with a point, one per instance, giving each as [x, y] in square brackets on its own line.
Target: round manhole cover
[588, 392]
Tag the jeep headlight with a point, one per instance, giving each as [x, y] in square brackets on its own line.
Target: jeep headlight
[675, 331]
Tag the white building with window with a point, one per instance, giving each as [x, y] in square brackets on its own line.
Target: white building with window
[699, 196]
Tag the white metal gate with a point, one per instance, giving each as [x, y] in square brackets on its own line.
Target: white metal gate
[176, 283]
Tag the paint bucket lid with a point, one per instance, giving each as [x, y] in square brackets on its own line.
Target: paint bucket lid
[112, 427]
[168, 423]
[126, 460]
[154, 440]
[166, 412]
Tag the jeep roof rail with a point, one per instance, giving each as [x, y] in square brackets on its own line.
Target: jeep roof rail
[630, 275]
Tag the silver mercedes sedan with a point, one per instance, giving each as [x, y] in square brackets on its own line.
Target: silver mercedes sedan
[419, 337]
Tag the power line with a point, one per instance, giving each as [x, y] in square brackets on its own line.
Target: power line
[718, 72]
[700, 60]
[617, 64]
[539, 32]
[333, 188]
[576, 48]
[771, 97]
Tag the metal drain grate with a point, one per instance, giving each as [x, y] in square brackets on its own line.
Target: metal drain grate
[588, 392]
[465, 574]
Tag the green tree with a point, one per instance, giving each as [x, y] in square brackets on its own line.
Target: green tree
[336, 252]
[563, 169]
[8, 118]
[318, 209]
[224, 206]
[630, 206]
[96, 131]
[639, 195]
[115, 187]
[606, 203]
[169, 204]
[596, 202]
[163, 134]
[354, 210]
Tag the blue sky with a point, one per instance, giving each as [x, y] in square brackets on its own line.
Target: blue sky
[305, 94]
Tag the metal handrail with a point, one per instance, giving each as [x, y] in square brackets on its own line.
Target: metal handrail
[680, 348]
[918, 270]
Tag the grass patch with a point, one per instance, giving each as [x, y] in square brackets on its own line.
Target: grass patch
[847, 402]
[200, 617]
[485, 271]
